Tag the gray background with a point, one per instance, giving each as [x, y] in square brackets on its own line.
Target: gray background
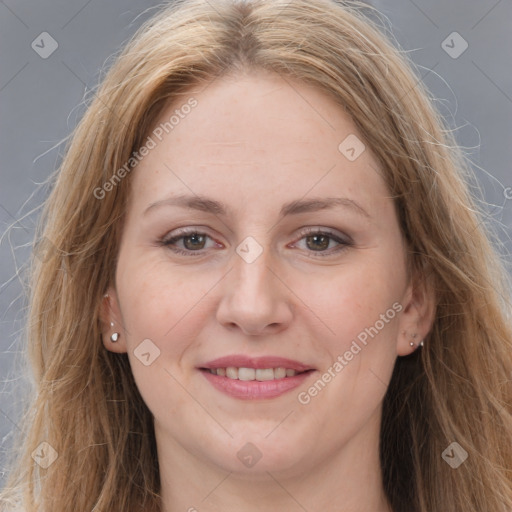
[40, 103]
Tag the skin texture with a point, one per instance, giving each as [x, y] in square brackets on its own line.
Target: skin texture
[255, 142]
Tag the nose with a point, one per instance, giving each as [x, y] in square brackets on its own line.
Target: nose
[255, 298]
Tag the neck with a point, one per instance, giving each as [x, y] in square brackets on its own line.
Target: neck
[347, 480]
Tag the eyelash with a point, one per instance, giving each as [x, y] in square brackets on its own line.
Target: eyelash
[344, 244]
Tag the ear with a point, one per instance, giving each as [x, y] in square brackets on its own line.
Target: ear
[111, 323]
[417, 316]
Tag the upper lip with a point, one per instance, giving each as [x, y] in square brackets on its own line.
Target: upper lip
[243, 361]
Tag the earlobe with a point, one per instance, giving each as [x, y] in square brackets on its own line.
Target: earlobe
[111, 328]
[417, 317]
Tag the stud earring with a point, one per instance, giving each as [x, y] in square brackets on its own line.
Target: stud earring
[114, 336]
[420, 344]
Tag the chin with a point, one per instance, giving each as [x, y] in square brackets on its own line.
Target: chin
[254, 455]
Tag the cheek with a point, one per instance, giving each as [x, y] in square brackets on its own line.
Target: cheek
[359, 307]
[163, 306]
[162, 302]
[351, 299]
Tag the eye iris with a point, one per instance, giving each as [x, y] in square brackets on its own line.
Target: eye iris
[198, 241]
[323, 238]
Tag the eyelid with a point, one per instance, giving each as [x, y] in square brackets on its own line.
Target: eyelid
[185, 231]
[313, 230]
[344, 241]
[180, 233]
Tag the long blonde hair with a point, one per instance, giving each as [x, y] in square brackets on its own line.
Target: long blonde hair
[456, 388]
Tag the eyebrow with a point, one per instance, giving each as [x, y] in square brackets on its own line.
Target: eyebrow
[209, 205]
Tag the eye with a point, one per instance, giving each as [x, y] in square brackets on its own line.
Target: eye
[319, 241]
[193, 241]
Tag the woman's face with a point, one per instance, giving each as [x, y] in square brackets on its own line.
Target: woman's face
[260, 235]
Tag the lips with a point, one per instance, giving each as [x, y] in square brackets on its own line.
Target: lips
[246, 377]
[241, 361]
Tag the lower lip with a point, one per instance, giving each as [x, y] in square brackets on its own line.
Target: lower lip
[254, 389]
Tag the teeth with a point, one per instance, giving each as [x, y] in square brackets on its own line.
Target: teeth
[259, 374]
[266, 374]
[231, 372]
[279, 373]
[246, 373]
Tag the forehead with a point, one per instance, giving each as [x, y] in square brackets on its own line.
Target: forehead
[256, 138]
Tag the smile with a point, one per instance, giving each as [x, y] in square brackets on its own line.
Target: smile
[253, 378]
[259, 374]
